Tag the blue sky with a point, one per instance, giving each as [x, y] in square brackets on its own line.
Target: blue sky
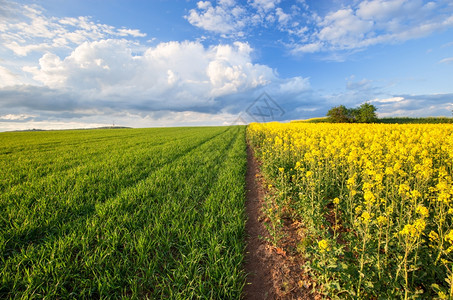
[176, 63]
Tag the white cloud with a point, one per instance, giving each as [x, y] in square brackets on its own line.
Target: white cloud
[447, 60]
[170, 80]
[415, 105]
[81, 71]
[75, 69]
[153, 119]
[18, 117]
[265, 5]
[131, 32]
[32, 31]
[380, 9]
[178, 75]
[8, 78]
[388, 100]
[49, 125]
[283, 18]
[223, 18]
[366, 23]
[53, 67]
[343, 29]
[295, 85]
[307, 48]
[231, 19]
[356, 26]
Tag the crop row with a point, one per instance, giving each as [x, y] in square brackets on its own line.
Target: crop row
[147, 213]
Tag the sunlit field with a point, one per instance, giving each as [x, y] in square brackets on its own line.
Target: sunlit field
[376, 202]
[134, 213]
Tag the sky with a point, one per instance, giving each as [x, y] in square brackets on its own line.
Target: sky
[81, 64]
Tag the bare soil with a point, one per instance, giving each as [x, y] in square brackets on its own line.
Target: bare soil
[273, 272]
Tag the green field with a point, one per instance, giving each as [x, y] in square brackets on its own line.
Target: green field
[134, 213]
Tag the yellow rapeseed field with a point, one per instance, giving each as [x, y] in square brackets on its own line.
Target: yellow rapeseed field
[376, 200]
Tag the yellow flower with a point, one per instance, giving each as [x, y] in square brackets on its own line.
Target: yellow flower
[449, 237]
[442, 295]
[403, 189]
[414, 230]
[389, 171]
[281, 170]
[358, 209]
[415, 194]
[420, 225]
[423, 211]
[408, 230]
[381, 220]
[369, 197]
[444, 197]
[365, 217]
[444, 261]
[323, 246]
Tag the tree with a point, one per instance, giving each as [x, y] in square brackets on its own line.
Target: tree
[365, 113]
[339, 114]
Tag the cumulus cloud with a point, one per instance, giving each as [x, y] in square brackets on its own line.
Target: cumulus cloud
[109, 75]
[78, 71]
[178, 75]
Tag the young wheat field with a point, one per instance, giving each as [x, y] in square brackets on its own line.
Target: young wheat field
[135, 213]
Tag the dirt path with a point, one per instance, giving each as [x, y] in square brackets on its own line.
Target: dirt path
[273, 273]
[258, 283]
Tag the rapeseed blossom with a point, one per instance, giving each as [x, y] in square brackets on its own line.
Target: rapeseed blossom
[423, 211]
[323, 246]
[396, 177]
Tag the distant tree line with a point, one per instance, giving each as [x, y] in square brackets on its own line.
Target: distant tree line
[365, 113]
[408, 120]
